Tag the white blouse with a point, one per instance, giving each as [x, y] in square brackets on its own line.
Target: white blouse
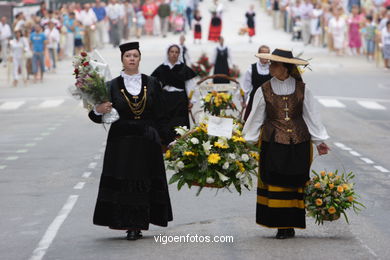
[310, 114]
[133, 83]
[262, 69]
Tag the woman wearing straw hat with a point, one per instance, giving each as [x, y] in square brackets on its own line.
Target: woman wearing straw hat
[285, 121]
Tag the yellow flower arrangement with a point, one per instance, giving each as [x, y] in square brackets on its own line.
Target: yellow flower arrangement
[328, 195]
[199, 159]
[216, 103]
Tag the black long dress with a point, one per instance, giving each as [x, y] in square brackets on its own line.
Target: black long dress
[133, 189]
[177, 101]
[221, 65]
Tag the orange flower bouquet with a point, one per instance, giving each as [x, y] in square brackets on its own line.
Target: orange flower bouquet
[328, 195]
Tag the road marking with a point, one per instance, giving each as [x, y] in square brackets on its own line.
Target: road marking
[380, 168]
[355, 153]
[52, 230]
[31, 144]
[86, 174]
[51, 103]
[2, 167]
[38, 138]
[366, 160]
[12, 158]
[331, 103]
[354, 98]
[79, 186]
[22, 151]
[52, 128]
[371, 105]
[11, 105]
[45, 134]
[92, 165]
[342, 146]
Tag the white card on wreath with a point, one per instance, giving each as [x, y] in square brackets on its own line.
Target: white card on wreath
[219, 126]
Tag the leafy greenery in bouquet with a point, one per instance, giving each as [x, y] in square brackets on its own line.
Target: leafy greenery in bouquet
[202, 67]
[90, 85]
[210, 161]
[234, 72]
[216, 102]
[328, 195]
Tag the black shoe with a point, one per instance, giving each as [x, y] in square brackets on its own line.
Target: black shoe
[133, 234]
[285, 233]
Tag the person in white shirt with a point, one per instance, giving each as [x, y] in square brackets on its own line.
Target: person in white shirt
[256, 75]
[385, 43]
[285, 121]
[306, 10]
[19, 45]
[88, 19]
[53, 38]
[114, 15]
[5, 35]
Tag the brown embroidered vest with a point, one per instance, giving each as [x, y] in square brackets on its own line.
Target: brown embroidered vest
[284, 116]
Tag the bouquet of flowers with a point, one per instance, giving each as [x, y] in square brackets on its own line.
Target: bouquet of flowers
[234, 72]
[90, 85]
[328, 195]
[202, 67]
[211, 161]
[216, 102]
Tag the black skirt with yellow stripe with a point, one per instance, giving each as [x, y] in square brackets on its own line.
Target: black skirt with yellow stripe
[280, 205]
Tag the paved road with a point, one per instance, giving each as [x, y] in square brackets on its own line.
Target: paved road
[51, 155]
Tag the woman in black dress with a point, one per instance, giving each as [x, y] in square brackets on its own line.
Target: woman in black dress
[221, 61]
[197, 27]
[178, 83]
[133, 189]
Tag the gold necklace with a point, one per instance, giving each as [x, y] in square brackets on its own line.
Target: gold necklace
[136, 107]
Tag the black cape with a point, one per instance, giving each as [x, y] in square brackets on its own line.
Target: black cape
[133, 189]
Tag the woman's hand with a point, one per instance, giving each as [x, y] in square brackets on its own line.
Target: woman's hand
[104, 108]
[190, 105]
[323, 148]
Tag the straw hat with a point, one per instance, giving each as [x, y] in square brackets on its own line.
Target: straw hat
[281, 55]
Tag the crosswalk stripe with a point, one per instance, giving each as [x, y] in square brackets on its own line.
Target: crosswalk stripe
[331, 102]
[371, 105]
[11, 105]
[51, 103]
